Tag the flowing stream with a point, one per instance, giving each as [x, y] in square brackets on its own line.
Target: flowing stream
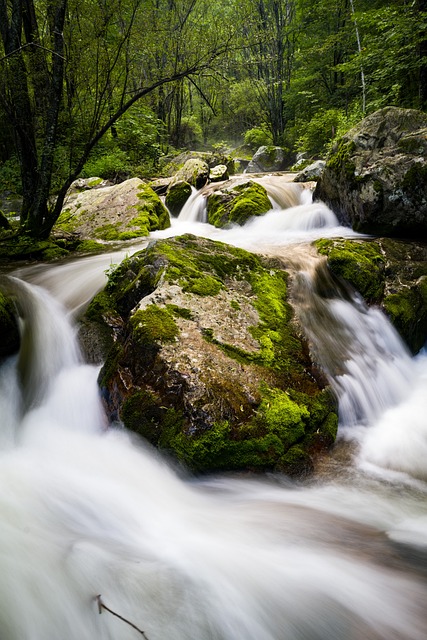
[95, 523]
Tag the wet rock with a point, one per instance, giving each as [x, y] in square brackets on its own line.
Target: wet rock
[267, 159]
[218, 173]
[195, 172]
[177, 195]
[375, 178]
[311, 173]
[236, 203]
[124, 211]
[208, 362]
[389, 273]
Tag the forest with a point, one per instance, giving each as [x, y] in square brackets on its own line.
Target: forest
[112, 88]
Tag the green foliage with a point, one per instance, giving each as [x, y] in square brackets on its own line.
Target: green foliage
[257, 137]
[109, 165]
[10, 176]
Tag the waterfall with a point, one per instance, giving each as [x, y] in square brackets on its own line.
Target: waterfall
[95, 521]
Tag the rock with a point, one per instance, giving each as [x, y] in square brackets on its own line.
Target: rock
[311, 173]
[267, 159]
[236, 203]
[160, 185]
[124, 211]
[83, 184]
[375, 178]
[209, 364]
[10, 339]
[177, 195]
[389, 273]
[218, 173]
[195, 172]
[211, 158]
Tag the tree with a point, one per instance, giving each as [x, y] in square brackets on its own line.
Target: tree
[68, 62]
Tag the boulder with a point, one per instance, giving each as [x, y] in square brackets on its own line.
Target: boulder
[195, 172]
[208, 362]
[267, 159]
[236, 203]
[124, 211]
[375, 178]
[311, 173]
[177, 195]
[211, 158]
[218, 173]
[389, 273]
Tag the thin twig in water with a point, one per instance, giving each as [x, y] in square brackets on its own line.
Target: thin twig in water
[102, 606]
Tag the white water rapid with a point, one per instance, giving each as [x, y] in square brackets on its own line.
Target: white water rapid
[95, 523]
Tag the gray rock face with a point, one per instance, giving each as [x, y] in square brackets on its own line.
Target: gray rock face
[195, 172]
[375, 178]
[267, 159]
[311, 173]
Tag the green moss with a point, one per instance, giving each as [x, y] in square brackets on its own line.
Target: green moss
[181, 312]
[235, 305]
[152, 214]
[282, 416]
[90, 246]
[242, 202]
[153, 324]
[359, 263]
[144, 413]
[339, 160]
[107, 232]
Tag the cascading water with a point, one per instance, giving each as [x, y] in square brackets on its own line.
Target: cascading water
[92, 518]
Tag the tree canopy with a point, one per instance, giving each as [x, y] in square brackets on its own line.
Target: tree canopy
[88, 84]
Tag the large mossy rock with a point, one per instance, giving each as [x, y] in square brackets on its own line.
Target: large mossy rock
[389, 273]
[236, 203]
[123, 211]
[208, 363]
[375, 179]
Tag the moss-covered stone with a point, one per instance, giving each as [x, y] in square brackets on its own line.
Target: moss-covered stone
[208, 364]
[387, 272]
[177, 195]
[360, 263]
[120, 212]
[237, 204]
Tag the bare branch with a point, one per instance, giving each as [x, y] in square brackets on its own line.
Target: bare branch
[102, 606]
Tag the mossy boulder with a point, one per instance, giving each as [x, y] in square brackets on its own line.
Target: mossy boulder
[268, 158]
[177, 195]
[389, 273]
[236, 203]
[208, 362]
[9, 331]
[124, 211]
[194, 172]
[375, 178]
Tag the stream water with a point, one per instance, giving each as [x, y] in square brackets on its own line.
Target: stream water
[96, 523]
